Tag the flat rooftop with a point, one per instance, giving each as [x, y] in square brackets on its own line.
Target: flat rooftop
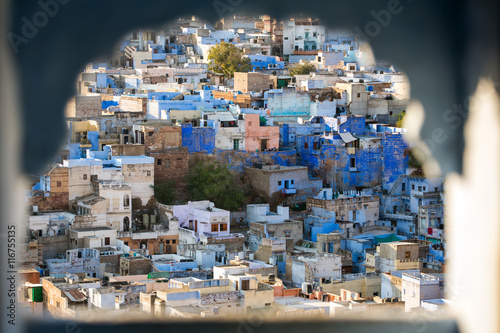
[91, 229]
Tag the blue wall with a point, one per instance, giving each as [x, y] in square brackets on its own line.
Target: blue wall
[355, 125]
[237, 160]
[374, 166]
[198, 139]
[314, 225]
[107, 104]
[394, 147]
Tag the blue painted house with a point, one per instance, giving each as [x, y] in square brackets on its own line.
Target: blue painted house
[198, 139]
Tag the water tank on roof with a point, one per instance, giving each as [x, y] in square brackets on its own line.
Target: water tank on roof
[307, 288]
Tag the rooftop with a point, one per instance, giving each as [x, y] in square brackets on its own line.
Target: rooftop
[91, 229]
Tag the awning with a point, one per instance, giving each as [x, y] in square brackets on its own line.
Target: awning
[347, 137]
[369, 138]
[225, 117]
[386, 239]
[75, 295]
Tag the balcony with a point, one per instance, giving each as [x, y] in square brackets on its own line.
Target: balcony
[290, 190]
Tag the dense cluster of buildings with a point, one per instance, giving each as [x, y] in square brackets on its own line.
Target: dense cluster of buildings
[345, 223]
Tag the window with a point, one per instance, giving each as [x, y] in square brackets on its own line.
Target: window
[314, 34]
[420, 188]
[148, 173]
[166, 164]
[352, 162]
[279, 182]
[58, 184]
[126, 201]
[215, 227]
[236, 144]
[286, 38]
[223, 227]
[106, 241]
[412, 186]
[85, 176]
[403, 186]
[306, 145]
[423, 188]
[407, 255]
[306, 34]
[359, 95]
[158, 161]
[174, 241]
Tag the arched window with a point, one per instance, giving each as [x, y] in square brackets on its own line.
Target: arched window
[126, 201]
[126, 223]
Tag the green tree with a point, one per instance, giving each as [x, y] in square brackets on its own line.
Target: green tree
[302, 68]
[400, 117]
[226, 59]
[165, 193]
[214, 182]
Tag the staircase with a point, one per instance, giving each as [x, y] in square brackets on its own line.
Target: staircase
[185, 222]
[396, 184]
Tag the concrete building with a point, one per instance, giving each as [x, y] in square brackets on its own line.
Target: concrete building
[287, 104]
[84, 106]
[302, 35]
[91, 237]
[316, 270]
[82, 260]
[253, 82]
[52, 192]
[392, 284]
[431, 223]
[418, 287]
[164, 144]
[328, 243]
[136, 171]
[277, 183]
[135, 265]
[50, 224]
[274, 251]
[238, 266]
[64, 297]
[265, 224]
[202, 217]
[358, 208]
[229, 129]
[259, 136]
[395, 256]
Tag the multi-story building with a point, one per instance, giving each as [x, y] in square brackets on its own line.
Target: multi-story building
[417, 287]
[396, 256]
[302, 35]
